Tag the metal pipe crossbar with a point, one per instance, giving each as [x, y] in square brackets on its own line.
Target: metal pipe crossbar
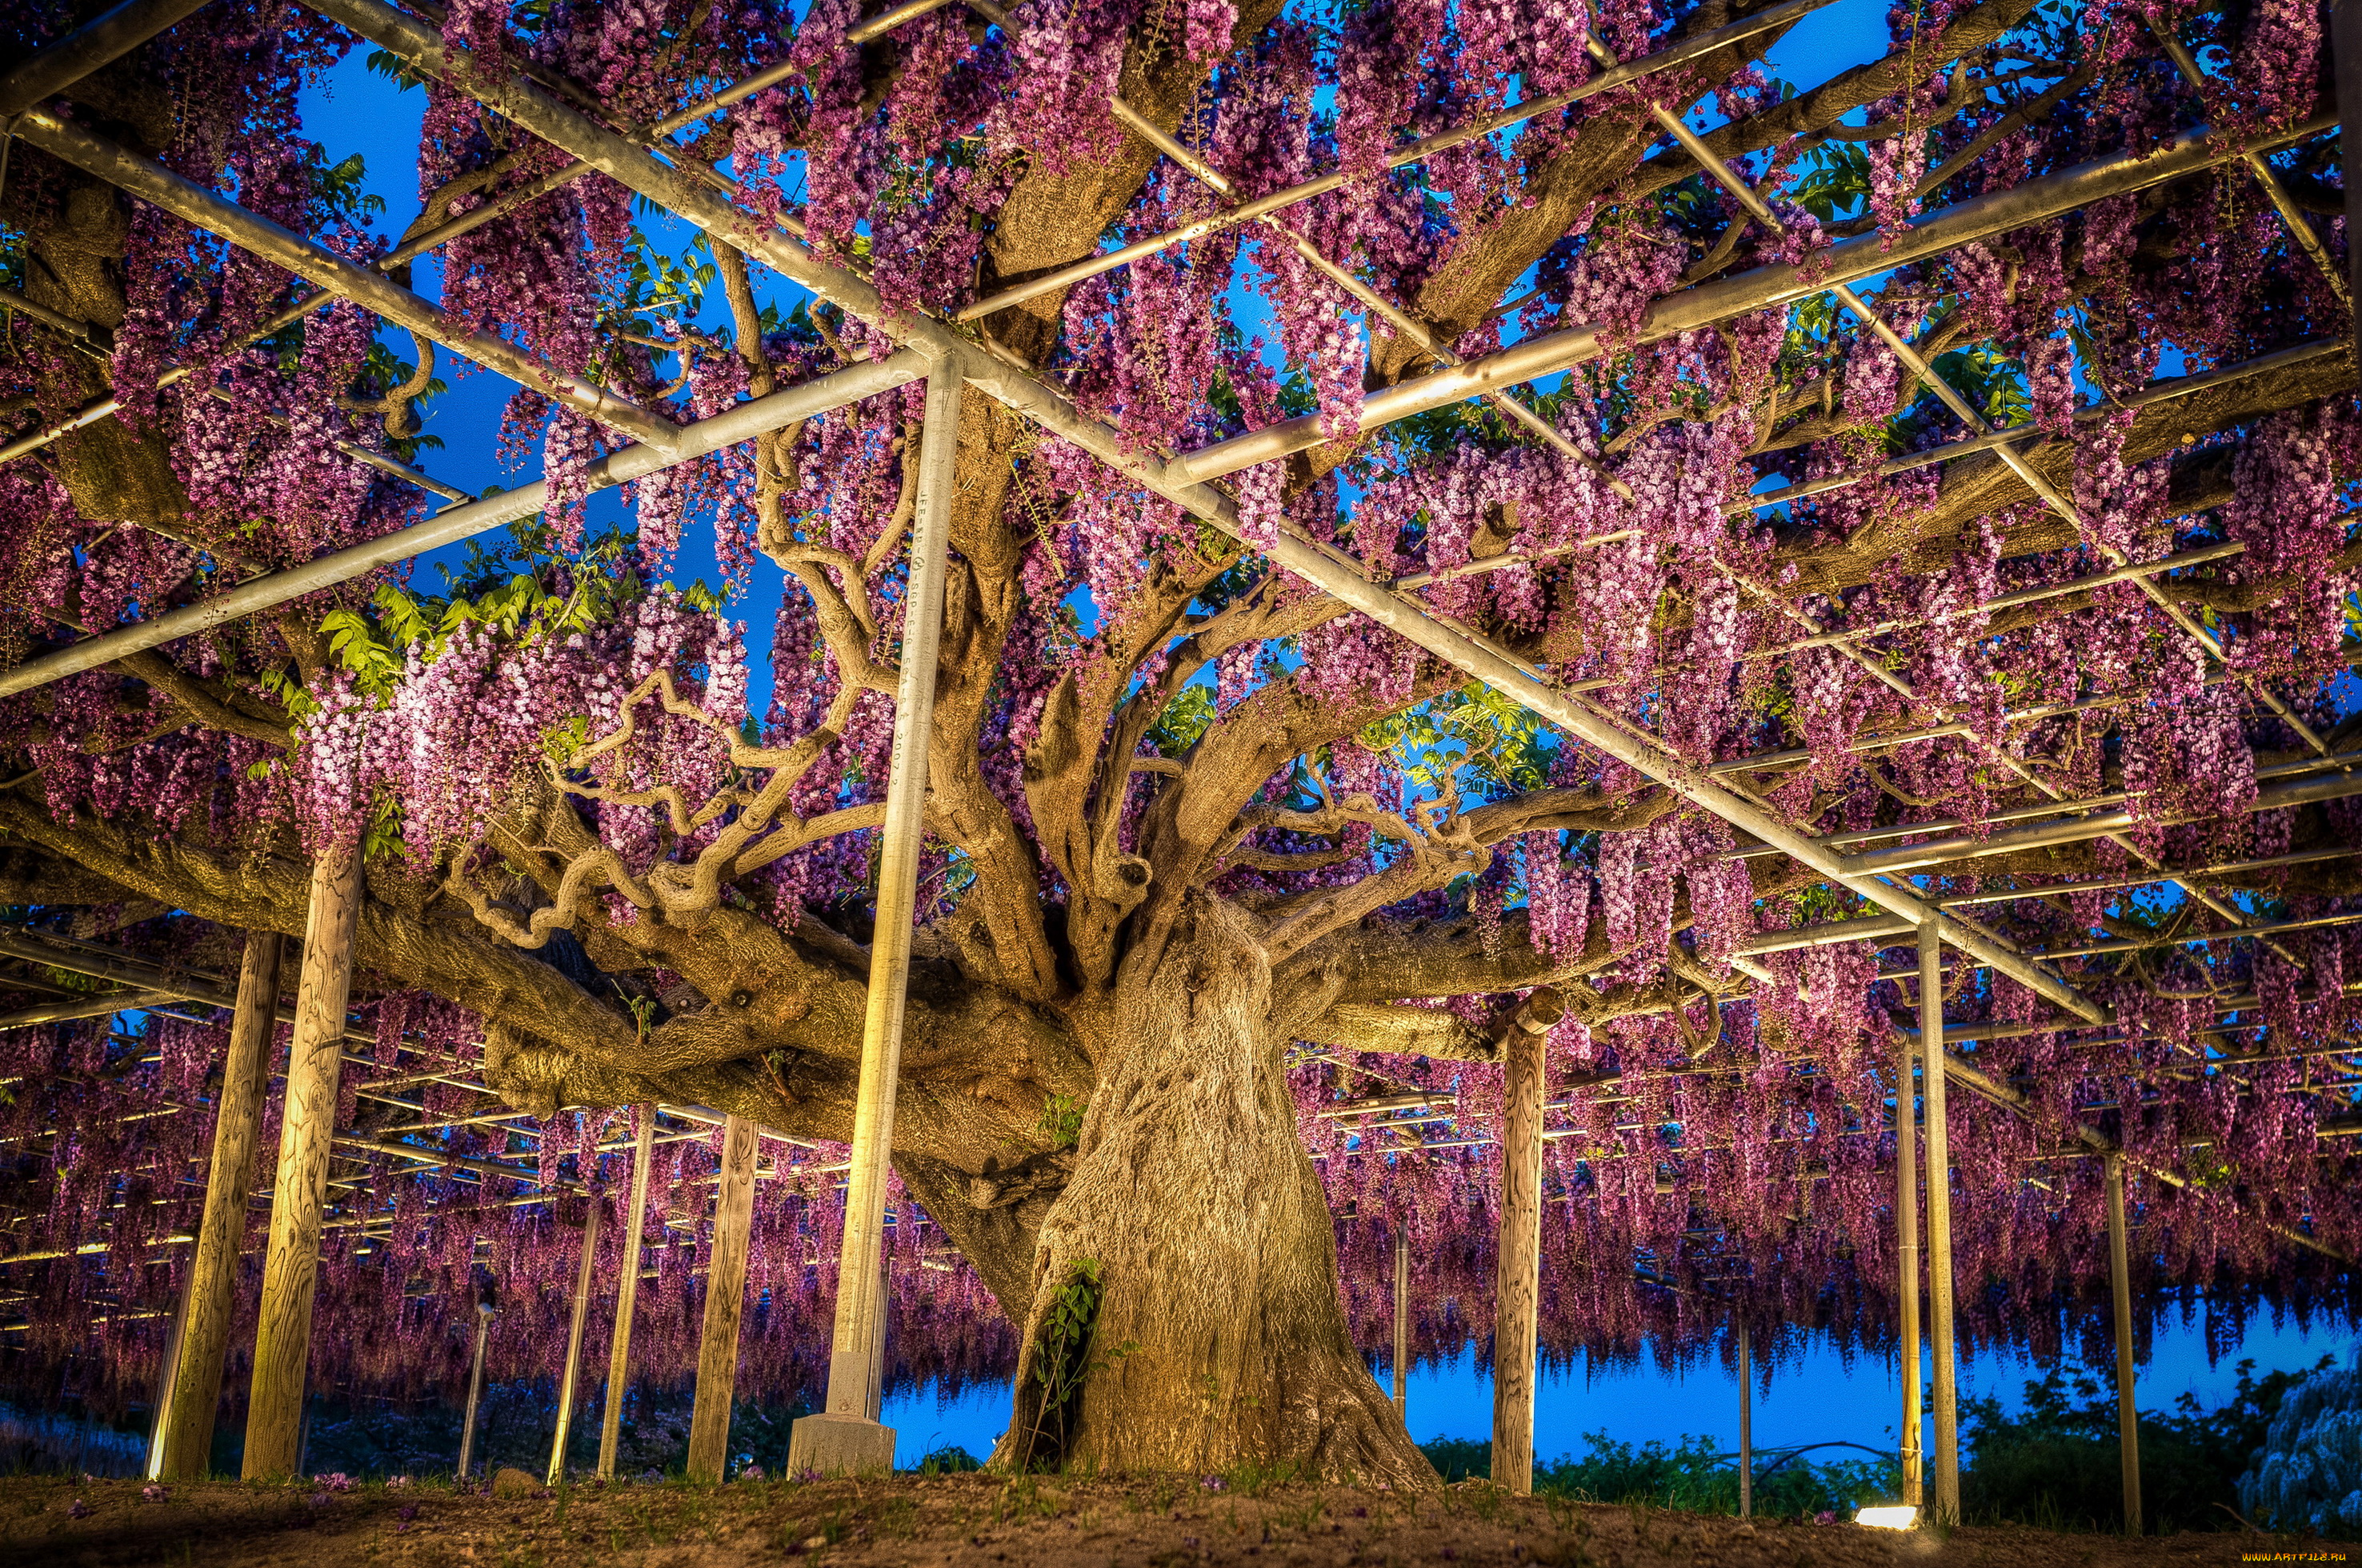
[1969, 447]
[2078, 830]
[1853, 836]
[1182, 479]
[1752, 203]
[92, 344]
[741, 422]
[1848, 262]
[90, 47]
[1426, 147]
[522, 102]
[2223, 869]
[314, 262]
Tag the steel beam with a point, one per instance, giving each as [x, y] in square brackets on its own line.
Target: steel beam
[1969, 445]
[484, 1314]
[1344, 580]
[1401, 1323]
[1745, 1425]
[418, 244]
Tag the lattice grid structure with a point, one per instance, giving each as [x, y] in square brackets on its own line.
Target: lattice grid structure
[1795, 625]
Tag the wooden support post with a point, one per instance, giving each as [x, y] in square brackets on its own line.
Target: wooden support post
[164, 1372]
[1746, 1426]
[2120, 1279]
[846, 1436]
[185, 1453]
[484, 1315]
[1906, 1285]
[627, 1295]
[290, 1270]
[1516, 1287]
[1402, 1324]
[567, 1384]
[1939, 1227]
[726, 1301]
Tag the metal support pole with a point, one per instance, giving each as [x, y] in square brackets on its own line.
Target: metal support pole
[627, 1295]
[195, 1390]
[725, 1300]
[1746, 1426]
[283, 1341]
[574, 1339]
[846, 1436]
[1517, 1287]
[484, 1315]
[1939, 1233]
[1402, 1325]
[2120, 1279]
[1906, 1253]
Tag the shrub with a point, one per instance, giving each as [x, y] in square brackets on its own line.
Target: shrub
[949, 1459]
[2057, 1464]
[2308, 1474]
[1694, 1474]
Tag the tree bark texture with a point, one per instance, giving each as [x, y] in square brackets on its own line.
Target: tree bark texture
[195, 1392]
[1217, 1339]
[283, 1344]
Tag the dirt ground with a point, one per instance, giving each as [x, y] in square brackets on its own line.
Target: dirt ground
[980, 1521]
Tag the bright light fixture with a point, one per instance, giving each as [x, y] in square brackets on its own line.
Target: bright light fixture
[1902, 1516]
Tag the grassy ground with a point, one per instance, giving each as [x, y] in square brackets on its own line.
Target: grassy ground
[984, 1520]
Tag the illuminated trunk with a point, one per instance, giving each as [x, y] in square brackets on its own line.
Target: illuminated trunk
[1194, 1247]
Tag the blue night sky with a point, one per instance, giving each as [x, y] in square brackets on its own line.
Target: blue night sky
[1817, 1397]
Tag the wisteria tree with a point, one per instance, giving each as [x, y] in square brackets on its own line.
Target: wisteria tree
[1205, 847]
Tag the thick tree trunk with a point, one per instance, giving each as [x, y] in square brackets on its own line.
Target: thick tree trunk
[1216, 1339]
